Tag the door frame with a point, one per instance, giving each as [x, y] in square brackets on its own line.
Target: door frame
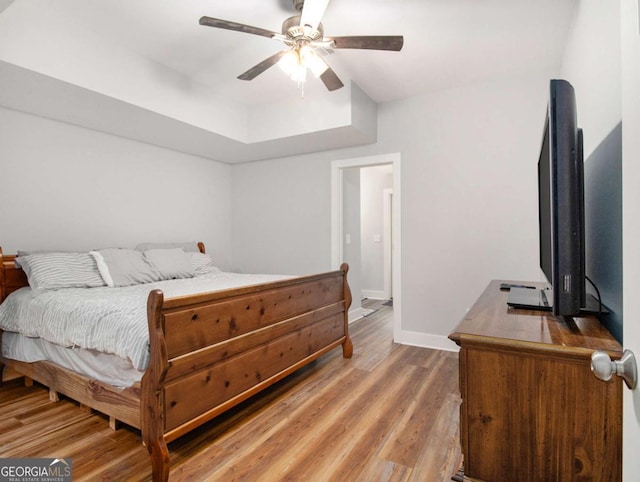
[388, 240]
[337, 232]
[630, 75]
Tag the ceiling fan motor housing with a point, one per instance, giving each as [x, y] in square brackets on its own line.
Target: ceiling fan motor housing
[292, 29]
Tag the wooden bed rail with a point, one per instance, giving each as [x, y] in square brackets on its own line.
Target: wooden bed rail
[2, 296]
[210, 352]
[11, 276]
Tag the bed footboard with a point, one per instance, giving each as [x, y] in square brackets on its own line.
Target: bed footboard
[210, 352]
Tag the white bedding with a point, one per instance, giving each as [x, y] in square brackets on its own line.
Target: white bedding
[111, 369]
[108, 320]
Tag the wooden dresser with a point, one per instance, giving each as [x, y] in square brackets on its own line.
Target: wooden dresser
[531, 408]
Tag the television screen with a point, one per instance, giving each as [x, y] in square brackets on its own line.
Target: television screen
[544, 205]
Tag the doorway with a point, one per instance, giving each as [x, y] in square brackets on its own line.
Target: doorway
[341, 170]
[376, 186]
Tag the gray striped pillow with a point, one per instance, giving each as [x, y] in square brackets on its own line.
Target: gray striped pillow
[52, 271]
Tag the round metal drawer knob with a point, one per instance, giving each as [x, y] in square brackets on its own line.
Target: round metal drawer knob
[603, 368]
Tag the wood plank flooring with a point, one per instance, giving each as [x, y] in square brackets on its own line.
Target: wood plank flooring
[388, 414]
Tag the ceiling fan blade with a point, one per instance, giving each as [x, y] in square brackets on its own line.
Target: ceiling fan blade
[256, 70]
[312, 12]
[331, 80]
[238, 27]
[373, 42]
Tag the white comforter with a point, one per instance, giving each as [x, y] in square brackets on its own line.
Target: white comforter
[109, 320]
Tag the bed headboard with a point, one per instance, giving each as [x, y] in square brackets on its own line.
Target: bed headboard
[12, 277]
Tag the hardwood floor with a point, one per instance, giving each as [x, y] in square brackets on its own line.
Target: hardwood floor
[388, 414]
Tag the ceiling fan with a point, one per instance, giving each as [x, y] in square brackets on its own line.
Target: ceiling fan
[303, 34]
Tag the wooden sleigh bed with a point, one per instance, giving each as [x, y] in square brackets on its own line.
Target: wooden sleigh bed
[208, 352]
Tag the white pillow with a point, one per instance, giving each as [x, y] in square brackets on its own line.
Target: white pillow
[170, 263]
[124, 267]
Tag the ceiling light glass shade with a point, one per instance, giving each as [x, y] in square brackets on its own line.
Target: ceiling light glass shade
[297, 60]
[289, 62]
[299, 74]
[310, 59]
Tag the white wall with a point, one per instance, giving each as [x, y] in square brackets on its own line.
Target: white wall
[592, 64]
[73, 188]
[469, 159]
[281, 219]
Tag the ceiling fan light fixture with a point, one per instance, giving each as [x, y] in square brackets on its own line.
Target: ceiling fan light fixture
[289, 62]
[299, 74]
[303, 34]
[311, 60]
[297, 60]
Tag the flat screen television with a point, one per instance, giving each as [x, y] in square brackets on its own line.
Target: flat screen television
[560, 210]
[561, 202]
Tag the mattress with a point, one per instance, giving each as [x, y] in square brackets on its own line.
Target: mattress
[97, 321]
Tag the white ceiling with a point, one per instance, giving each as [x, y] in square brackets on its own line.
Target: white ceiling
[448, 43]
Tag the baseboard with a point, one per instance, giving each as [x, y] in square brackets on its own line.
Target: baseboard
[425, 340]
[374, 295]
